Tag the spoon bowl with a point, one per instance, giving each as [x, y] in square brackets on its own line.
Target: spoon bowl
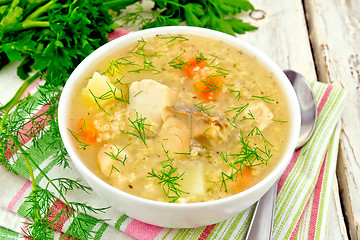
[307, 105]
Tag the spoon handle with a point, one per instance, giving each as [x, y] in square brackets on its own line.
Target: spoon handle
[262, 221]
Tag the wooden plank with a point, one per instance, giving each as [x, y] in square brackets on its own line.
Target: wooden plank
[283, 35]
[334, 27]
[337, 228]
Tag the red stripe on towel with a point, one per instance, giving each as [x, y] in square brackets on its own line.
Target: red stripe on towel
[19, 194]
[316, 202]
[288, 169]
[65, 212]
[28, 131]
[141, 230]
[206, 232]
[324, 98]
[293, 233]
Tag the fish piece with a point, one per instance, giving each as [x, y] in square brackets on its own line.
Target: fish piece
[175, 136]
[203, 130]
[262, 114]
[148, 98]
[208, 131]
[107, 163]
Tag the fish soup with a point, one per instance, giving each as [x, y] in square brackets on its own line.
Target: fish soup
[180, 118]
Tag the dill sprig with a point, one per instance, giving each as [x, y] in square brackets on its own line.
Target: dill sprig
[256, 131]
[172, 40]
[246, 157]
[139, 52]
[266, 99]
[219, 71]
[111, 94]
[211, 85]
[237, 97]
[248, 118]
[203, 107]
[137, 17]
[238, 111]
[102, 97]
[177, 62]
[41, 114]
[77, 136]
[139, 126]
[116, 66]
[116, 157]
[279, 121]
[168, 178]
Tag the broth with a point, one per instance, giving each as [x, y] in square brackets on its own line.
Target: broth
[180, 118]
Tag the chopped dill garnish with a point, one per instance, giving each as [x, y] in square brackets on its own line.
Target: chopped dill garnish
[266, 99]
[231, 122]
[112, 168]
[116, 66]
[147, 67]
[173, 39]
[219, 70]
[119, 81]
[138, 93]
[139, 52]
[102, 97]
[200, 57]
[177, 62]
[139, 127]
[205, 130]
[237, 94]
[168, 178]
[279, 121]
[76, 136]
[211, 84]
[256, 131]
[183, 153]
[112, 93]
[248, 118]
[204, 107]
[115, 156]
[246, 157]
[238, 111]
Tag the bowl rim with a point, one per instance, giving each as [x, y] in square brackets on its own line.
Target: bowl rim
[228, 39]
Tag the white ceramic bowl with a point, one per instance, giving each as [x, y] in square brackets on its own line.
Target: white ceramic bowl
[176, 215]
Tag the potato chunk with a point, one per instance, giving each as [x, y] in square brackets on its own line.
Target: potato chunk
[193, 179]
[148, 98]
[100, 87]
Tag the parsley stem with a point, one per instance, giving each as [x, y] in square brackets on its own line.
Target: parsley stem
[30, 24]
[9, 105]
[31, 173]
[40, 11]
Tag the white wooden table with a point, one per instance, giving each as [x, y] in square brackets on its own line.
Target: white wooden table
[321, 40]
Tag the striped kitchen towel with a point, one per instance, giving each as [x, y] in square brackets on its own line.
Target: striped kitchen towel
[304, 189]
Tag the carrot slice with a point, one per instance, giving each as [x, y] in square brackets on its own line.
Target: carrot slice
[193, 67]
[88, 130]
[243, 180]
[209, 88]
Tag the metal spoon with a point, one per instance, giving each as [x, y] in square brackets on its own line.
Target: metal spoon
[262, 222]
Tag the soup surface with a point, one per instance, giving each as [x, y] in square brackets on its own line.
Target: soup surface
[180, 118]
